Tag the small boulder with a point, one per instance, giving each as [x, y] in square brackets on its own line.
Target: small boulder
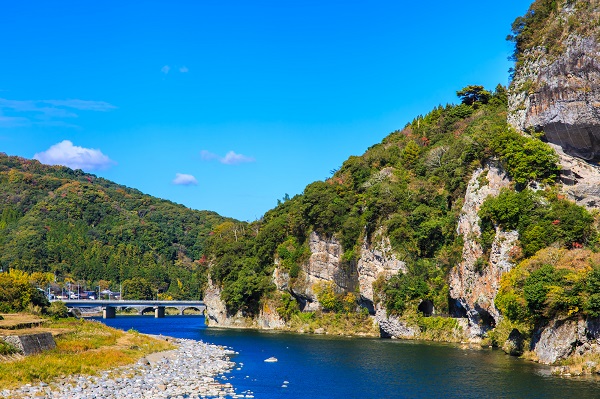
[514, 343]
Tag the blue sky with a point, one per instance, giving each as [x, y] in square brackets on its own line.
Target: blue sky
[229, 105]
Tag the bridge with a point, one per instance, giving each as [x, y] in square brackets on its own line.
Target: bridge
[109, 307]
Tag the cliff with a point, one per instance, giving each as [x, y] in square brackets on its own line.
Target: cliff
[556, 89]
[474, 281]
[427, 229]
[556, 93]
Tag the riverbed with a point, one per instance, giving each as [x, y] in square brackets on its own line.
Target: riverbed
[310, 366]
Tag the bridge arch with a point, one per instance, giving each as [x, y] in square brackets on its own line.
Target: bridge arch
[146, 310]
[197, 309]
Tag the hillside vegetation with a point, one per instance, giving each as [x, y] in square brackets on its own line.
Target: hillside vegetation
[86, 229]
[546, 27]
[409, 187]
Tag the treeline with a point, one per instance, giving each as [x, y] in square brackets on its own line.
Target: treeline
[412, 185]
[81, 227]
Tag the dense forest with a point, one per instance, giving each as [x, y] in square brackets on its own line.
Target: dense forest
[411, 188]
[87, 230]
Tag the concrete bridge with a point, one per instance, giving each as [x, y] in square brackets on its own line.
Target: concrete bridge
[109, 307]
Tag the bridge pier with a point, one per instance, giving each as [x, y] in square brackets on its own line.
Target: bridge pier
[159, 312]
[109, 312]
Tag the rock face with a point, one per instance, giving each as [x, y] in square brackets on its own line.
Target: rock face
[473, 283]
[217, 316]
[561, 338]
[580, 180]
[376, 260]
[560, 95]
[393, 327]
[324, 266]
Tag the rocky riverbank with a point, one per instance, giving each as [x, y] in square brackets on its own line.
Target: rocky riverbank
[190, 371]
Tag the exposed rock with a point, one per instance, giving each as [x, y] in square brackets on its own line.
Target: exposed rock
[514, 345]
[216, 311]
[561, 96]
[474, 285]
[560, 339]
[217, 315]
[324, 266]
[30, 344]
[393, 327]
[580, 180]
[376, 260]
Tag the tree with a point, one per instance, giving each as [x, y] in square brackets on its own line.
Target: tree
[137, 288]
[474, 94]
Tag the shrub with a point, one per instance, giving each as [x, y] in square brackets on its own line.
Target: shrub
[58, 310]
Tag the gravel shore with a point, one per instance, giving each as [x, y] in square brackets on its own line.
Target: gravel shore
[190, 371]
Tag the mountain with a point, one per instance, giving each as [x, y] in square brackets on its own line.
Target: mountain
[476, 222]
[84, 228]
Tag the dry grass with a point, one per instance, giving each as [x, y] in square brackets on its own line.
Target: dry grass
[11, 321]
[83, 347]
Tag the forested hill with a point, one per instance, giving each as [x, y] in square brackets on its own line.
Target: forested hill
[82, 227]
[409, 188]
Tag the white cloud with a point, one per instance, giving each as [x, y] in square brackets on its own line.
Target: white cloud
[165, 69]
[183, 179]
[184, 69]
[231, 158]
[65, 153]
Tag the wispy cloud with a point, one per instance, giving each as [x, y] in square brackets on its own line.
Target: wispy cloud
[75, 157]
[182, 179]
[14, 113]
[167, 68]
[83, 105]
[231, 158]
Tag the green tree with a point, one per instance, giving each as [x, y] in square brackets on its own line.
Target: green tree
[473, 94]
[138, 288]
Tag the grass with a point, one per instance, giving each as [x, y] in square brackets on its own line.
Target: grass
[82, 347]
[334, 324]
[12, 321]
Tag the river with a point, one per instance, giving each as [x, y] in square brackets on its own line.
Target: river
[333, 367]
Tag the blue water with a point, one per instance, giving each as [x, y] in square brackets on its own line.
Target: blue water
[326, 367]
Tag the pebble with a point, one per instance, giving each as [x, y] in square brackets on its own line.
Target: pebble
[191, 371]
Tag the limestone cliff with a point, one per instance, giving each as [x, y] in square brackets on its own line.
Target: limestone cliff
[559, 339]
[217, 315]
[377, 259]
[474, 282]
[325, 265]
[556, 90]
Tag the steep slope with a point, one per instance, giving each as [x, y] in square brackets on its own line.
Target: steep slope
[78, 226]
[553, 296]
[556, 87]
[381, 234]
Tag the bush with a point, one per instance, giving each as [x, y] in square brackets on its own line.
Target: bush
[526, 159]
[58, 310]
[6, 348]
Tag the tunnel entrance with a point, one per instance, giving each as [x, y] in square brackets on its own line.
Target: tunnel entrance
[426, 307]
